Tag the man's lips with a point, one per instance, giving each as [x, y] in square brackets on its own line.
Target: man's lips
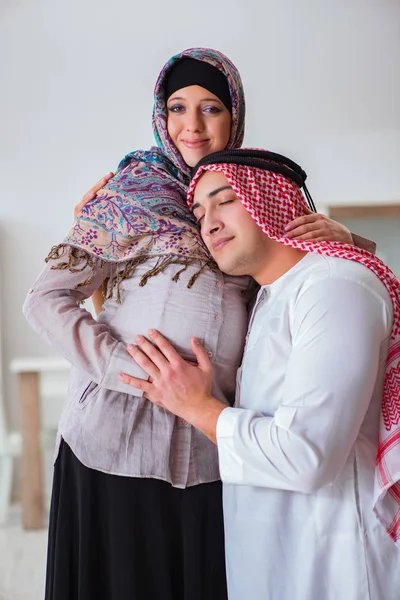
[219, 244]
[194, 143]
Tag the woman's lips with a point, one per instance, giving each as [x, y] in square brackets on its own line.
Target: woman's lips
[193, 144]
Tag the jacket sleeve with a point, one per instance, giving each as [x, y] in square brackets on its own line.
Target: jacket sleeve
[364, 243]
[53, 309]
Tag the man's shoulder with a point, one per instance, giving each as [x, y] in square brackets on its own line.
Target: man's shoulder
[346, 273]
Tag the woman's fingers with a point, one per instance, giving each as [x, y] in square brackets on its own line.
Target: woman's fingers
[92, 192]
[315, 226]
[101, 183]
[315, 236]
[303, 220]
[312, 226]
[320, 226]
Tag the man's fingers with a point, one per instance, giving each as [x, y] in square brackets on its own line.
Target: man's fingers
[143, 361]
[140, 384]
[166, 348]
[155, 355]
[201, 354]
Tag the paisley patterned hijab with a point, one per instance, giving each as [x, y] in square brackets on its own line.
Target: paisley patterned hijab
[142, 212]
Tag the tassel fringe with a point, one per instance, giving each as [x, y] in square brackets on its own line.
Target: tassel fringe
[78, 260]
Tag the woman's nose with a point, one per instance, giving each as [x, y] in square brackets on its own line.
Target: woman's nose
[194, 123]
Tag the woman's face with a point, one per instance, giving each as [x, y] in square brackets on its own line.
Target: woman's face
[198, 123]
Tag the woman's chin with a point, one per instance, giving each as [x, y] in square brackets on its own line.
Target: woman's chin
[192, 157]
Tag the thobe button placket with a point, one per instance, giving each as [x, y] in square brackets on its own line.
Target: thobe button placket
[261, 297]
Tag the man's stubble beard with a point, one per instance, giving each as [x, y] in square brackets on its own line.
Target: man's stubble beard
[244, 263]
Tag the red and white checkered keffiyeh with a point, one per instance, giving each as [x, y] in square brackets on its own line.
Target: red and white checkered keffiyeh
[273, 201]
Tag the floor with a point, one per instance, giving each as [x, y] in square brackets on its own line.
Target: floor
[22, 560]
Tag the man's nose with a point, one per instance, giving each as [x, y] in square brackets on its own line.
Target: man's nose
[214, 229]
[211, 227]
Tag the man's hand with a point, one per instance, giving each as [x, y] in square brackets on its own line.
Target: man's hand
[175, 384]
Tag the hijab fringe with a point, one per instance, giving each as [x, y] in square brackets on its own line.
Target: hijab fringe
[79, 260]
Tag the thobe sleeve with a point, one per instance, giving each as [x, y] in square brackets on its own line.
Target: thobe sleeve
[337, 328]
[53, 309]
[364, 243]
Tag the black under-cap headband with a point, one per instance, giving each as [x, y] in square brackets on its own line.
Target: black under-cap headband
[190, 71]
[260, 159]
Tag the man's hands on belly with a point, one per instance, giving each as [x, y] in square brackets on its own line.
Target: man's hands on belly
[181, 387]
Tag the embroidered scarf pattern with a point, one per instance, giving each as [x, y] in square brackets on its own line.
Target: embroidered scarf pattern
[272, 201]
[141, 212]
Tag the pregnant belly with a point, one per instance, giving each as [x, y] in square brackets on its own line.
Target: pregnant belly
[213, 310]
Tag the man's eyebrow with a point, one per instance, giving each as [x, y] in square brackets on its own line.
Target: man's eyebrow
[212, 194]
[218, 190]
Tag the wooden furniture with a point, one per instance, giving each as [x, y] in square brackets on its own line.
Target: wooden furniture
[378, 222]
[28, 372]
[366, 211]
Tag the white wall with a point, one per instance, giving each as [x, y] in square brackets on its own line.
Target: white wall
[322, 81]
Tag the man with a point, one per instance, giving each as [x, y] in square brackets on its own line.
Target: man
[318, 395]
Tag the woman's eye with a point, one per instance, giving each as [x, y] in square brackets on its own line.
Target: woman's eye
[212, 109]
[176, 108]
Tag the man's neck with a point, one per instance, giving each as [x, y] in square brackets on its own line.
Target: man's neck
[279, 261]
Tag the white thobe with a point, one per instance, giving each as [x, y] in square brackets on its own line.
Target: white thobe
[297, 453]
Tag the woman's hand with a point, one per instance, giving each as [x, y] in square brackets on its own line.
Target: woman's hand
[92, 193]
[97, 297]
[319, 228]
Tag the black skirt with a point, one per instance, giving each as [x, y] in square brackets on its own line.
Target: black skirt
[125, 538]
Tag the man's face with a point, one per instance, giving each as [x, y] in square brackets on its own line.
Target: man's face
[232, 237]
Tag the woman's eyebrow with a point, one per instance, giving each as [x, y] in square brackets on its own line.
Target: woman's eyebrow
[202, 100]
